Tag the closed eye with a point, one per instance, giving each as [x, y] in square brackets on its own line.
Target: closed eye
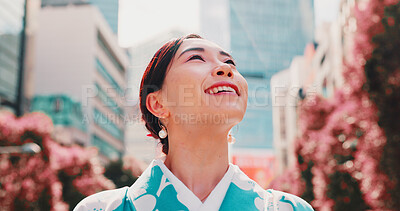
[230, 61]
[196, 57]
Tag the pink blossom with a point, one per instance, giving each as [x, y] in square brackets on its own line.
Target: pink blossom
[31, 175]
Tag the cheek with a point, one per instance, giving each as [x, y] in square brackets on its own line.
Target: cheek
[243, 84]
[184, 83]
[182, 90]
[244, 93]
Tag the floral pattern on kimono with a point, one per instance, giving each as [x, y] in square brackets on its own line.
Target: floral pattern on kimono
[159, 189]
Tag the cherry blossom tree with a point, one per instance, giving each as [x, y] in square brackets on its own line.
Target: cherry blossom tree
[54, 179]
[348, 150]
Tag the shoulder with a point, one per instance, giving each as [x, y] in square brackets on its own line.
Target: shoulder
[287, 201]
[105, 200]
[249, 190]
[241, 180]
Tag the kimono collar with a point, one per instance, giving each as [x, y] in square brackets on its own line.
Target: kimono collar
[158, 185]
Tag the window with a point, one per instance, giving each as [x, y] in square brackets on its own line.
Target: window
[104, 122]
[102, 70]
[108, 101]
[105, 148]
[111, 56]
[58, 105]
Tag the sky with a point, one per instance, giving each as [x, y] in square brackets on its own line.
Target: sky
[143, 19]
[140, 20]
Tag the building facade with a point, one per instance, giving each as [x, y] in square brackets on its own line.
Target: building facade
[109, 8]
[263, 37]
[12, 30]
[66, 115]
[317, 72]
[18, 25]
[286, 85]
[77, 55]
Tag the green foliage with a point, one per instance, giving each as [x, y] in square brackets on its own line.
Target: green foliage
[121, 177]
[345, 191]
[70, 194]
[43, 202]
[383, 84]
[307, 176]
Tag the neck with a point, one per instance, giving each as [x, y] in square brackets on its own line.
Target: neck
[198, 157]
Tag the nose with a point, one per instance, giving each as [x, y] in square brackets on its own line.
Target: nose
[223, 70]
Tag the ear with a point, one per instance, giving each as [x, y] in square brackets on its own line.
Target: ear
[155, 106]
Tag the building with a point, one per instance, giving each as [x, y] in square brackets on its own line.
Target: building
[77, 55]
[17, 26]
[137, 143]
[317, 72]
[11, 50]
[215, 22]
[108, 8]
[66, 115]
[286, 93]
[263, 37]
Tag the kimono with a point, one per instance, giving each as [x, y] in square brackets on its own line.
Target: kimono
[158, 189]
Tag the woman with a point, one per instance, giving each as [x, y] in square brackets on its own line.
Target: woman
[191, 95]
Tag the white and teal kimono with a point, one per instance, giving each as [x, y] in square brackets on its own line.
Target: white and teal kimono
[159, 189]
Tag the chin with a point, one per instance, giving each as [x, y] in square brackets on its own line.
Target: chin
[226, 116]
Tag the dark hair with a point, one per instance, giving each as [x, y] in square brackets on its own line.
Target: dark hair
[152, 81]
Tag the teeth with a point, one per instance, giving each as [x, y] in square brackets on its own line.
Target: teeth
[220, 88]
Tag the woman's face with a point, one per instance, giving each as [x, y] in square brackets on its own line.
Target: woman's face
[202, 85]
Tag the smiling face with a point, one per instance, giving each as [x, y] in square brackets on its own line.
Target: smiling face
[202, 85]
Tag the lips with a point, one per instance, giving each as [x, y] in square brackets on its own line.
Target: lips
[222, 87]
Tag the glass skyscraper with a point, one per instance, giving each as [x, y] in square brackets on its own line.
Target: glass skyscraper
[109, 9]
[11, 31]
[264, 38]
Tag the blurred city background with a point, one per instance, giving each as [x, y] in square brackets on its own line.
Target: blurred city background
[323, 107]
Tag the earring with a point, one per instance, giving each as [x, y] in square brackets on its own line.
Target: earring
[231, 139]
[163, 132]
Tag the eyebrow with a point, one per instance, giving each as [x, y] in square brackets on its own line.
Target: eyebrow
[225, 54]
[191, 49]
[202, 50]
